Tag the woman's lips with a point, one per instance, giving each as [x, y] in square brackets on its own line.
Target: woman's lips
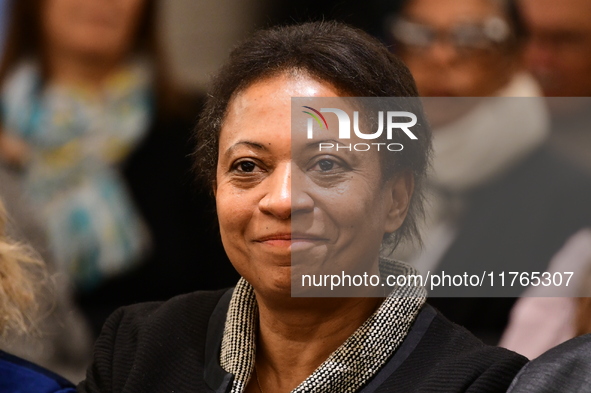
[291, 240]
[282, 241]
[276, 236]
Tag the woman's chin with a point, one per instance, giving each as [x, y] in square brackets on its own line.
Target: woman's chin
[275, 281]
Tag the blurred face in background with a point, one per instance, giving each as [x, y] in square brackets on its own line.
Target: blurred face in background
[559, 51]
[94, 29]
[456, 47]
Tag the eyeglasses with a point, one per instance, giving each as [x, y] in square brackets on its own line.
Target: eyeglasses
[465, 37]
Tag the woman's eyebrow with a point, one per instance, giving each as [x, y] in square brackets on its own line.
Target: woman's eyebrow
[250, 144]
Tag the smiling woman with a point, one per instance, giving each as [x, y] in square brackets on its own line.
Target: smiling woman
[270, 186]
[277, 199]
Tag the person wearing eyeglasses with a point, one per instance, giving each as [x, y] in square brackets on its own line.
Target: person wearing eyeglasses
[558, 53]
[501, 201]
[473, 45]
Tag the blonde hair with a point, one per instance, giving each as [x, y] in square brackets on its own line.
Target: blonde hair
[20, 270]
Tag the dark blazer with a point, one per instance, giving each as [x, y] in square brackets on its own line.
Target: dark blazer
[175, 346]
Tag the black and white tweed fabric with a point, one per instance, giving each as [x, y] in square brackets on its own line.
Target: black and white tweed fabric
[238, 344]
[349, 367]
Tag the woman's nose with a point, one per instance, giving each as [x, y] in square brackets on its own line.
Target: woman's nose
[443, 52]
[286, 193]
[277, 200]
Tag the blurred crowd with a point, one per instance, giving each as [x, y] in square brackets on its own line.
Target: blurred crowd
[96, 128]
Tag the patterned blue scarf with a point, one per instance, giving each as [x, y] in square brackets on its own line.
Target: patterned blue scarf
[77, 138]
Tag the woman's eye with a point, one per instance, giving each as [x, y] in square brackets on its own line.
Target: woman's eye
[325, 165]
[246, 166]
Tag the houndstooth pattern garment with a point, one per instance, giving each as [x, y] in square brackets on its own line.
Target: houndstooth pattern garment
[351, 365]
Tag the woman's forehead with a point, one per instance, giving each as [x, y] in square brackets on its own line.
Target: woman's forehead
[281, 88]
[267, 103]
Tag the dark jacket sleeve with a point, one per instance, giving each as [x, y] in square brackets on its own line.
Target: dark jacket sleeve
[115, 349]
[153, 347]
[99, 376]
[498, 376]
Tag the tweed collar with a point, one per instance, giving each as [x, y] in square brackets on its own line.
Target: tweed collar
[351, 365]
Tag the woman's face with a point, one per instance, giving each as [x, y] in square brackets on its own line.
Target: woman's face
[278, 197]
[458, 62]
[102, 29]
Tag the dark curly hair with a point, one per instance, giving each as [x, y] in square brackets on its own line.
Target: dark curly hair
[355, 63]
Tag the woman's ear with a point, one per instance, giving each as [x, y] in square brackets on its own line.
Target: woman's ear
[401, 188]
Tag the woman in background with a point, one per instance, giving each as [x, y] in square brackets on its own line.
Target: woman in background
[62, 341]
[91, 119]
[21, 275]
[500, 200]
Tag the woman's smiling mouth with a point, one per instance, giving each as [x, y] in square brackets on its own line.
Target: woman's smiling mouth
[292, 241]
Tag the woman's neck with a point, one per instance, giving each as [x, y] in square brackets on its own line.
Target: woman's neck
[294, 341]
[70, 69]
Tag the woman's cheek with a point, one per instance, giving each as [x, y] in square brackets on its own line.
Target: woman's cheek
[233, 215]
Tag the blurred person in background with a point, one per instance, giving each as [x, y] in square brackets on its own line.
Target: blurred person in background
[98, 132]
[465, 48]
[63, 342]
[547, 316]
[559, 50]
[564, 368]
[501, 201]
[21, 276]
[559, 56]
